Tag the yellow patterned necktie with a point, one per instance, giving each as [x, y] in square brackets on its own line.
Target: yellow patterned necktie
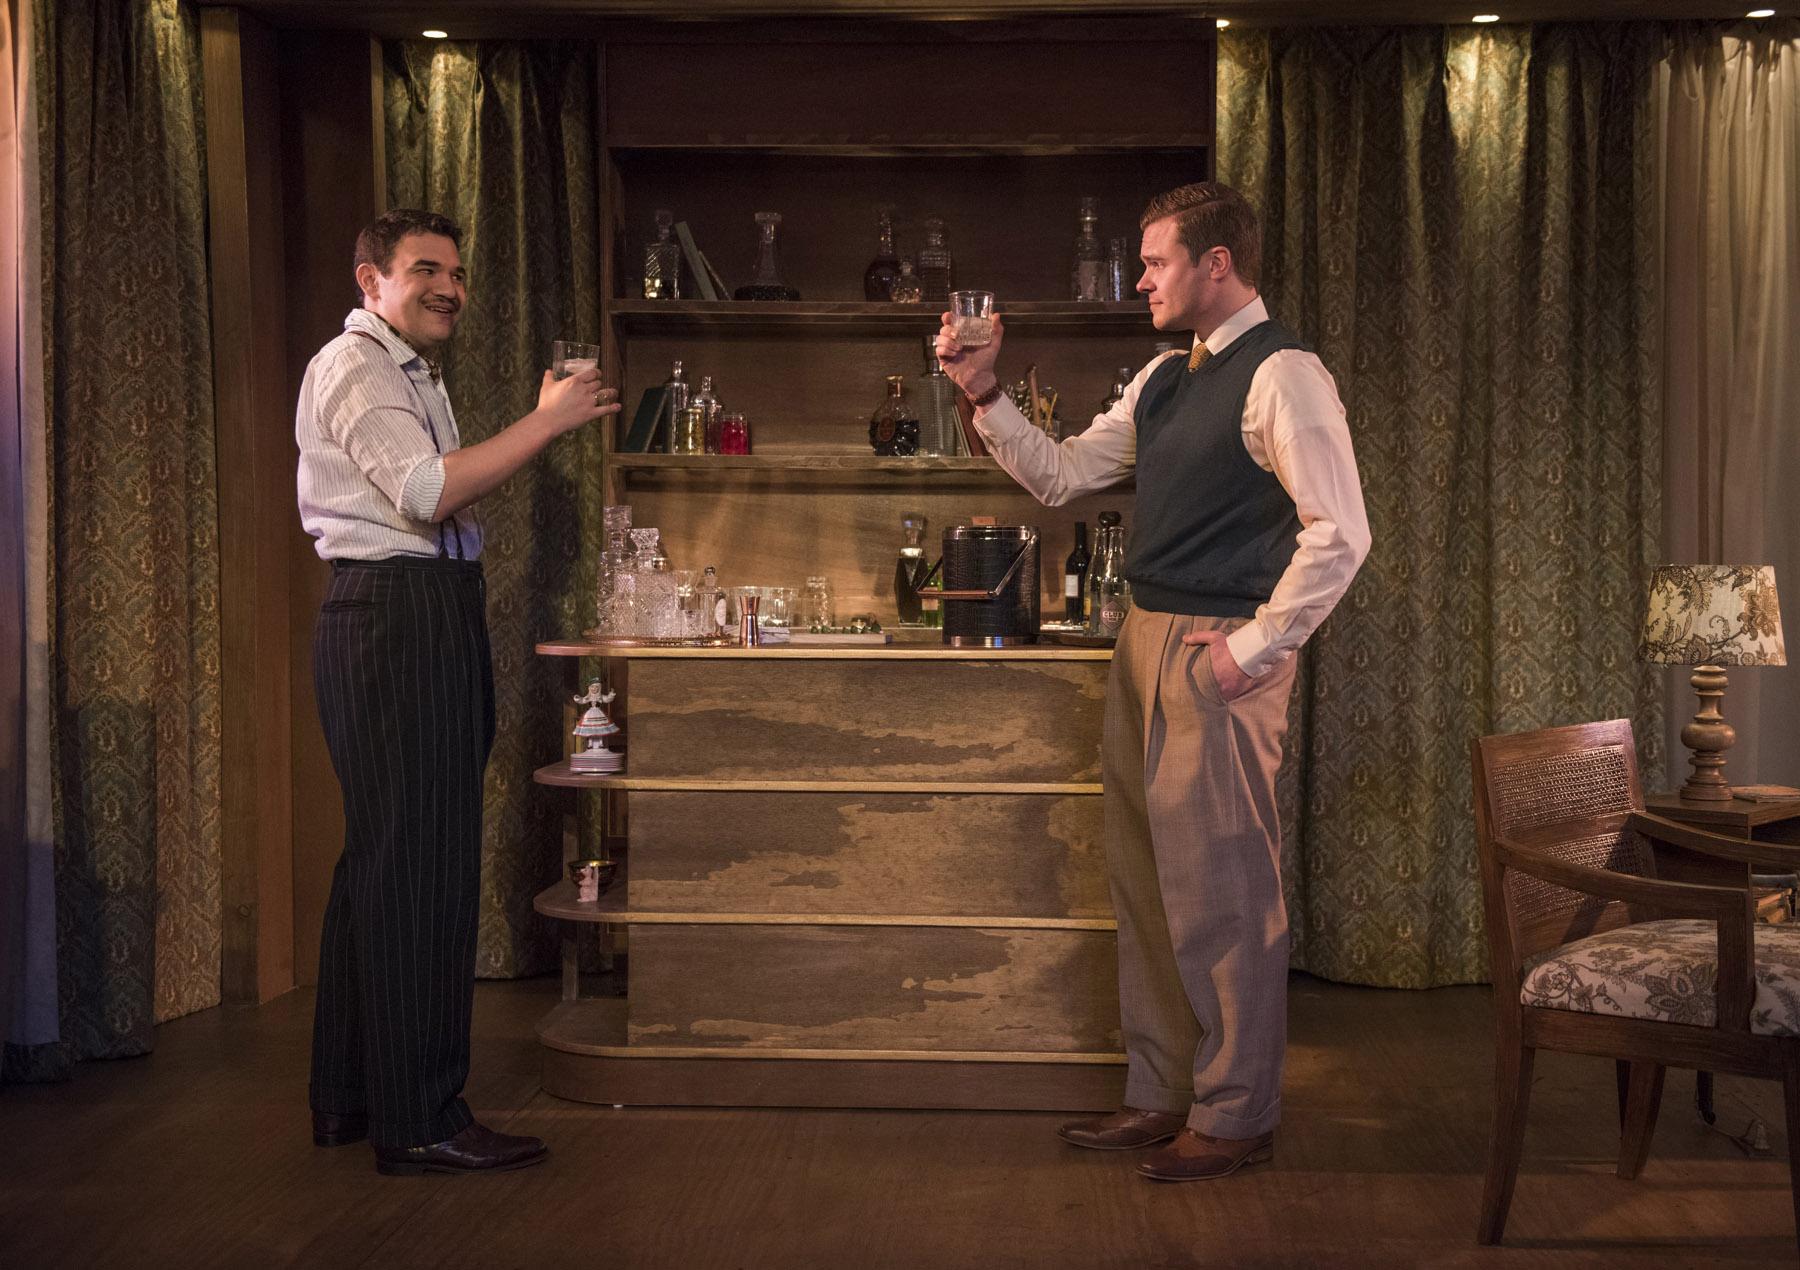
[1197, 358]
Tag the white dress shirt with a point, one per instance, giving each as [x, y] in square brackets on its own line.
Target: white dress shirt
[1294, 426]
[373, 425]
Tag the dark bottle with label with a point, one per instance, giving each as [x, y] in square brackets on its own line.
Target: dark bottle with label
[894, 428]
[1075, 571]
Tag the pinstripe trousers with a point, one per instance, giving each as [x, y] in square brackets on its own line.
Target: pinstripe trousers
[405, 689]
[1193, 854]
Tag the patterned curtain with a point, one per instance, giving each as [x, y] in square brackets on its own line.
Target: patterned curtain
[1462, 222]
[501, 138]
[134, 723]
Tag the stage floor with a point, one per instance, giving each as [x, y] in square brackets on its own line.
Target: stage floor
[200, 1155]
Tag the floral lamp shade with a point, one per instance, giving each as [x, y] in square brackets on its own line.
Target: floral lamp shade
[1713, 615]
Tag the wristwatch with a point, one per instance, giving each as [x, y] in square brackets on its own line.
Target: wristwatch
[987, 398]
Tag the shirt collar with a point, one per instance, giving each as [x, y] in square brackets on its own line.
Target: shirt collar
[1252, 314]
[371, 323]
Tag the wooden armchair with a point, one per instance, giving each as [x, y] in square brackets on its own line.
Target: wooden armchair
[1621, 934]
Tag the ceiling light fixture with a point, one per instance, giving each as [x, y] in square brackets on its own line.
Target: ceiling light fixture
[1760, 13]
[1221, 23]
[435, 35]
[1485, 17]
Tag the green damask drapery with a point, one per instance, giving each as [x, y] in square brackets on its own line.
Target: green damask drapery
[135, 705]
[501, 138]
[1462, 222]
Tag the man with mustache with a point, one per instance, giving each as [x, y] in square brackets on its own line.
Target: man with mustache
[1250, 525]
[405, 692]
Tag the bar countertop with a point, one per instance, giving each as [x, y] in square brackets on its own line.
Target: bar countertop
[900, 650]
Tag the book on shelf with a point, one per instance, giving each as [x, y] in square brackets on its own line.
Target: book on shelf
[704, 277]
[647, 423]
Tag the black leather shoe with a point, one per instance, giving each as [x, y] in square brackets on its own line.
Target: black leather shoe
[331, 1130]
[476, 1149]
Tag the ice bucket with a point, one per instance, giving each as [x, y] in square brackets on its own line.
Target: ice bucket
[990, 585]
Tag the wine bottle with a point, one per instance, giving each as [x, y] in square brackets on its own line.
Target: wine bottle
[1075, 572]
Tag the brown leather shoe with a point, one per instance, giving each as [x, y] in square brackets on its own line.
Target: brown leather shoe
[1124, 1130]
[477, 1149]
[332, 1130]
[1195, 1157]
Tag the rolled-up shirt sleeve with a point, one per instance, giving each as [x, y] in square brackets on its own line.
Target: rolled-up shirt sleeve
[1055, 472]
[364, 403]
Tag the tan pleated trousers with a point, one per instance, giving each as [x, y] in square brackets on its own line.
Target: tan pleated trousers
[1193, 849]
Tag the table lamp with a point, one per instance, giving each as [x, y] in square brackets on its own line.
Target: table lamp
[1710, 616]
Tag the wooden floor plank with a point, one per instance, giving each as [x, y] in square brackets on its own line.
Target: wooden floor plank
[199, 1156]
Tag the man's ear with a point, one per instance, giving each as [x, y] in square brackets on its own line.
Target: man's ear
[1220, 264]
[368, 280]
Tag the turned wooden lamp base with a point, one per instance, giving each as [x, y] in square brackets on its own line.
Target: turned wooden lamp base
[1707, 739]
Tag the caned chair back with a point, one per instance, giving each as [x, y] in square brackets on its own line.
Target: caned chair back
[1564, 792]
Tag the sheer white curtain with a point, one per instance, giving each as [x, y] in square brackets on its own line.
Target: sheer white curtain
[1730, 110]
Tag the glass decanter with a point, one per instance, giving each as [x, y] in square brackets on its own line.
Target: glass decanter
[906, 289]
[937, 272]
[767, 284]
[658, 606]
[615, 561]
[878, 278]
[894, 428]
[1087, 280]
[662, 261]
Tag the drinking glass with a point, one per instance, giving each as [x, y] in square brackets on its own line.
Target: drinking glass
[569, 358]
[972, 318]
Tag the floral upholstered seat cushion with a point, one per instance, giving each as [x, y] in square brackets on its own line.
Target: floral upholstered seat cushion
[1666, 970]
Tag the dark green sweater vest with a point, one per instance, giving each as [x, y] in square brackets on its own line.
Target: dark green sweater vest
[1214, 532]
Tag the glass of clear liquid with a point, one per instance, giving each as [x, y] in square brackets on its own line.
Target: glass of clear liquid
[972, 318]
[569, 358]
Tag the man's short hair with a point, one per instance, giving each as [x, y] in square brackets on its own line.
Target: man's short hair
[381, 236]
[1209, 215]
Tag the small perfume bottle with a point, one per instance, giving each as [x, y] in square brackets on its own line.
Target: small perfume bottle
[767, 284]
[894, 428]
[906, 289]
[937, 272]
[1088, 277]
[878, 278]
[662, 261]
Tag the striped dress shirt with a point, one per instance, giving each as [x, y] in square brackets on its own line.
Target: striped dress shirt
[373, 425]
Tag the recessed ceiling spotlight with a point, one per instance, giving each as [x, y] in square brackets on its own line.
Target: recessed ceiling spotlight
[435, 35]
[1222, 23]
[1760, 13]
[1485, 17]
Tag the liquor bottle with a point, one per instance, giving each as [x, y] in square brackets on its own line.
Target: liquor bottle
[708, 405]
[1075, 571]
[937, 272]
[940, 428]
[1121, 381]
[910, 570]
[1087, 280]
[906, 289]
[1115, 270]
[712, 599]
[662, 262]
[878, 278]
[894, 428]
[767, 284]
[677, 388]
[1109, 594]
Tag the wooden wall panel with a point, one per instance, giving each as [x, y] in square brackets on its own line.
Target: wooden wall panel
[994, 81]
[255, 500]
[873, 720]
[874, 988]
[970, 855]
[329, 157]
